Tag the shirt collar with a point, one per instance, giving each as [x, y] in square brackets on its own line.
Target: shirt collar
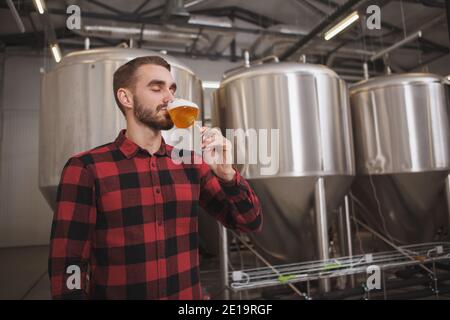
[130, 149]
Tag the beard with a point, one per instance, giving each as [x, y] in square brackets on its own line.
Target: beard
[157, 119]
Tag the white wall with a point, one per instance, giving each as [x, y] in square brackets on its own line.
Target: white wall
[25, 217]
[208, 70]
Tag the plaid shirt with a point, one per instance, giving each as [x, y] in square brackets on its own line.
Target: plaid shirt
[128, 221]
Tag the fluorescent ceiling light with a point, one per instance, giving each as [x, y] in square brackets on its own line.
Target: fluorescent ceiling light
[40, 5]
[343, 24]
[211, 84]
[56, 52]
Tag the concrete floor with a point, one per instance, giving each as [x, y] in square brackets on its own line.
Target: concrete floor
[23, 273]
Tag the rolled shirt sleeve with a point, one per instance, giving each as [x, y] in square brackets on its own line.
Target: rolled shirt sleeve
[233, 203]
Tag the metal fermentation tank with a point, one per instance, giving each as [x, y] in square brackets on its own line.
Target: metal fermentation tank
[402, 136]
[78, 111]
[309, 106]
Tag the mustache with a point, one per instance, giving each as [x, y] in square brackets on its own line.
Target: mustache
[164, 105]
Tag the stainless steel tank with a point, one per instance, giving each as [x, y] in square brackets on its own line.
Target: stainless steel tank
[78, 111]
[402, 150]
[309, 106]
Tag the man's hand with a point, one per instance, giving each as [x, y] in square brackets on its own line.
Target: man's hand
[217, 153]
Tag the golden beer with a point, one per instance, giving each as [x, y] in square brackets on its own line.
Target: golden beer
[184, 116]
[183, 113]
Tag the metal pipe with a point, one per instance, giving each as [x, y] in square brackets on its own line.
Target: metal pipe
[233, 44]
[2, 94]
[213, 45]
[16, 16]
[265, 59]
[342, 239]
[342, 231]
[202, 20]
[343, 50]
[322, 227]
[154, 20]
[345, 234]
[246, 64]
[388, 70]
[246, 59]
[124, 32]
[87, 44]
[447, 7]
[366, 70]
[224, 261]
[348, 228]
[194, 3]
[254, 46]
[447, 189]
[406, 40]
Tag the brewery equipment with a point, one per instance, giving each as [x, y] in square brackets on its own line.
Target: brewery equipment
[307, 106]
[402, 151]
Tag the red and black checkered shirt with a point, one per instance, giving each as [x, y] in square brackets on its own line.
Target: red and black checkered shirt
[128, 219]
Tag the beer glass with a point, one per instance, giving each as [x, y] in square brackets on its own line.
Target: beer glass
[183, 112]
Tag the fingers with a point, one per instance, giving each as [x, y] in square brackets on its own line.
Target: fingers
[213, 138]
[212, 142]
[216, 148]
[208, 132]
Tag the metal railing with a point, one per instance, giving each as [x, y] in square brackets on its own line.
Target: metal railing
[418, 254]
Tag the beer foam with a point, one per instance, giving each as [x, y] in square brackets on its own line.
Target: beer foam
[181, 103]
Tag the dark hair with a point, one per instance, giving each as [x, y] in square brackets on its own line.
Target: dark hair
[124, 76]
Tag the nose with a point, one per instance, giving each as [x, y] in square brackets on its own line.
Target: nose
[169, 96]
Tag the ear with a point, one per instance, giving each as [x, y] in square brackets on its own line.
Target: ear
[125, 97]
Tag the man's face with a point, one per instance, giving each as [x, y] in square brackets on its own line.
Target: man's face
[154, 89]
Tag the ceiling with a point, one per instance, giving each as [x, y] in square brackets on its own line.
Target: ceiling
[223, 29]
